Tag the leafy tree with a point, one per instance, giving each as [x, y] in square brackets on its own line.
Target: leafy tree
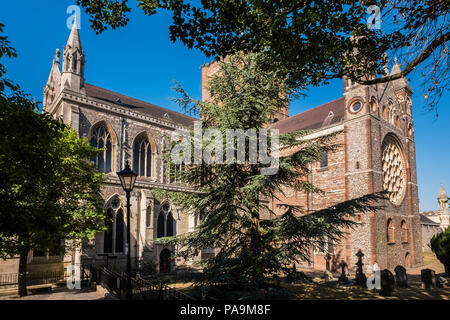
[313, 41]
[440, 244]
[231, 197]
[49, 191]
[10, 52]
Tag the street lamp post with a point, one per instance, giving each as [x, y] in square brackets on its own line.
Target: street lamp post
[127, 179]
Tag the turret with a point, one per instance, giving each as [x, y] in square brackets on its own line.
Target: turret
[443, 207]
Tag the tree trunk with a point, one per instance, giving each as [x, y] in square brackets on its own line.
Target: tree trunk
[23, 273]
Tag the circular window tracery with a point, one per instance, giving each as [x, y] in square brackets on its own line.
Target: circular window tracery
[356, 106]
[393, 167]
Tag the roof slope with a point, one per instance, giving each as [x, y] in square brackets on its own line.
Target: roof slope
[322, 116]
[425, 220]
[138, 105]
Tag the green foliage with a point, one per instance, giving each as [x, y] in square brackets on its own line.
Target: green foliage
[231, 197]
[440, 244]
[49, 191]
[312, 41]
[8, 51]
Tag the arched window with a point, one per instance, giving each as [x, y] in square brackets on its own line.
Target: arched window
[384, 113]
[161, 225]
[175, 172]
[170, 225]
[101, 138]
[108, 234]
[390, 231]
[120, 228]
[166, 223]
[374, 105]
[113, 236]
[404, 228]
[142, 156]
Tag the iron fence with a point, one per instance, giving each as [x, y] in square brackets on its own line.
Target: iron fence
[142, 289]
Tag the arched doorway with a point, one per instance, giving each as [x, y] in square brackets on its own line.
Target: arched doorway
[408, 260]
[164, 261]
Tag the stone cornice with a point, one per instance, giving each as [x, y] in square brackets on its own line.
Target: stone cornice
[94, 103]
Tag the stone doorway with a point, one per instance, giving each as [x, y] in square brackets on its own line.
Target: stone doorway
[164, 261]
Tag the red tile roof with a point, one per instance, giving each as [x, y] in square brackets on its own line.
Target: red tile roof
[315, 118]
[138, 105]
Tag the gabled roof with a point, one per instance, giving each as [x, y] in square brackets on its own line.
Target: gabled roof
[322, 116]
[138, 105]
[425, 220]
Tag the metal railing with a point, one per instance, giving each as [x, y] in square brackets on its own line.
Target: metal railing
[142, 289]
[35, 278]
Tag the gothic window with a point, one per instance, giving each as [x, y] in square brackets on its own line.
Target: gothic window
[374, 105]
[390, 231]
[324, 159]
[120, 227]
[101, 138]
[175, 171]
[142, 155]
[404, 228]
[161, 225]
[114, 235]
[384, 113]
[410, 130]
[74, 62]
[393, 167]
[108, 234]
[166, 223]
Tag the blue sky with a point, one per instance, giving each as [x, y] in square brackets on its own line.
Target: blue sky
[140, 61]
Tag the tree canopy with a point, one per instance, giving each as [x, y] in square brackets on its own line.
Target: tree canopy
[312, 41]
[49, 191]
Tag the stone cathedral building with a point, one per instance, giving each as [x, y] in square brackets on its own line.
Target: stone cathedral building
[375, 129]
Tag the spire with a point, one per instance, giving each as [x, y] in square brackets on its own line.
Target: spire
[396, 68]
[74, 38]
[442, 194]
[73, 60]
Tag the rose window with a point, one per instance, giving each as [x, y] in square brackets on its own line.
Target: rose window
[394, 179]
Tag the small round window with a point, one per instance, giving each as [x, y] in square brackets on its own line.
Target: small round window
[356, 106]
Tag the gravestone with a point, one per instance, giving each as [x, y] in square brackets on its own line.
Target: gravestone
[328, 276]
[327, 261]
[387, 283]
[343, 277]
[360, 277]
[401, 278]
[428, 278]
[441, 282]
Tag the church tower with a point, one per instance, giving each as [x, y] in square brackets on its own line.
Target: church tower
[73, 62]
[443, 207]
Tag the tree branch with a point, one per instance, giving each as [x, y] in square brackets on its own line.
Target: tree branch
[411, 66]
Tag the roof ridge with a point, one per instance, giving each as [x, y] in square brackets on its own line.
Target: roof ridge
[323, 104]
[141, 101]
